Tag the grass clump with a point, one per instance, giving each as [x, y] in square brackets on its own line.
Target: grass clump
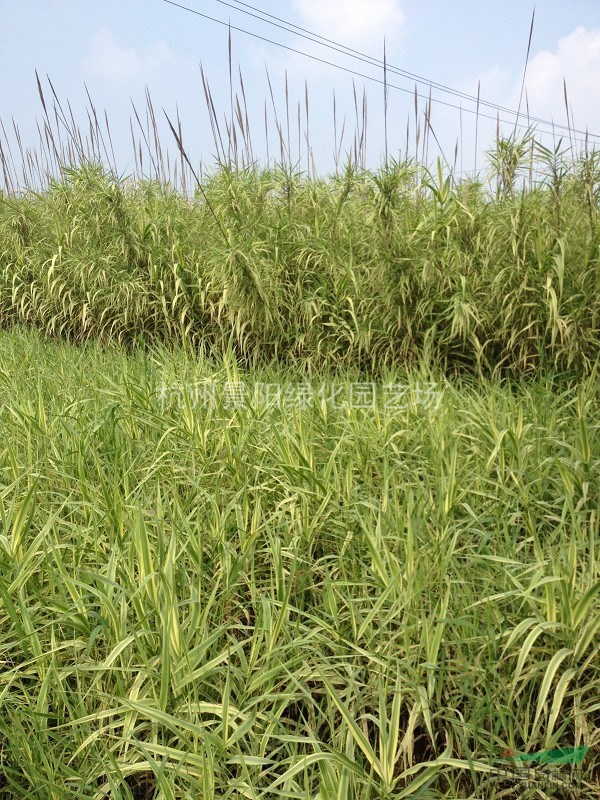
[362, 271]
[298, 475]
[263, 598]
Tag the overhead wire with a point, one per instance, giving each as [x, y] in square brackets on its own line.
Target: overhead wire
[352, 52]
[413, 93]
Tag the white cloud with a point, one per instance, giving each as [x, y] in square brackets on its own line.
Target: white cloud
[576, 60]
[362, 24]
[109, 60]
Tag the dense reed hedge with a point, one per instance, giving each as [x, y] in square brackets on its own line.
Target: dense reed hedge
[364, 269]
[330, 601]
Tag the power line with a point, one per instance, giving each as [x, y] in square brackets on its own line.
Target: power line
[370, 77]
[301, 32]
[361, 56]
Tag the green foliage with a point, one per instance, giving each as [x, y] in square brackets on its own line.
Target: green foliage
[363, 270]
[268, 601]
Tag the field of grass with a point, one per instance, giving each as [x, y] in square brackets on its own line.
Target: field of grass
[207, 597]
[363, 270]
[299, 475]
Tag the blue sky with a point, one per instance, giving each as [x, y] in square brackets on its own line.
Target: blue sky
[118, 47]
